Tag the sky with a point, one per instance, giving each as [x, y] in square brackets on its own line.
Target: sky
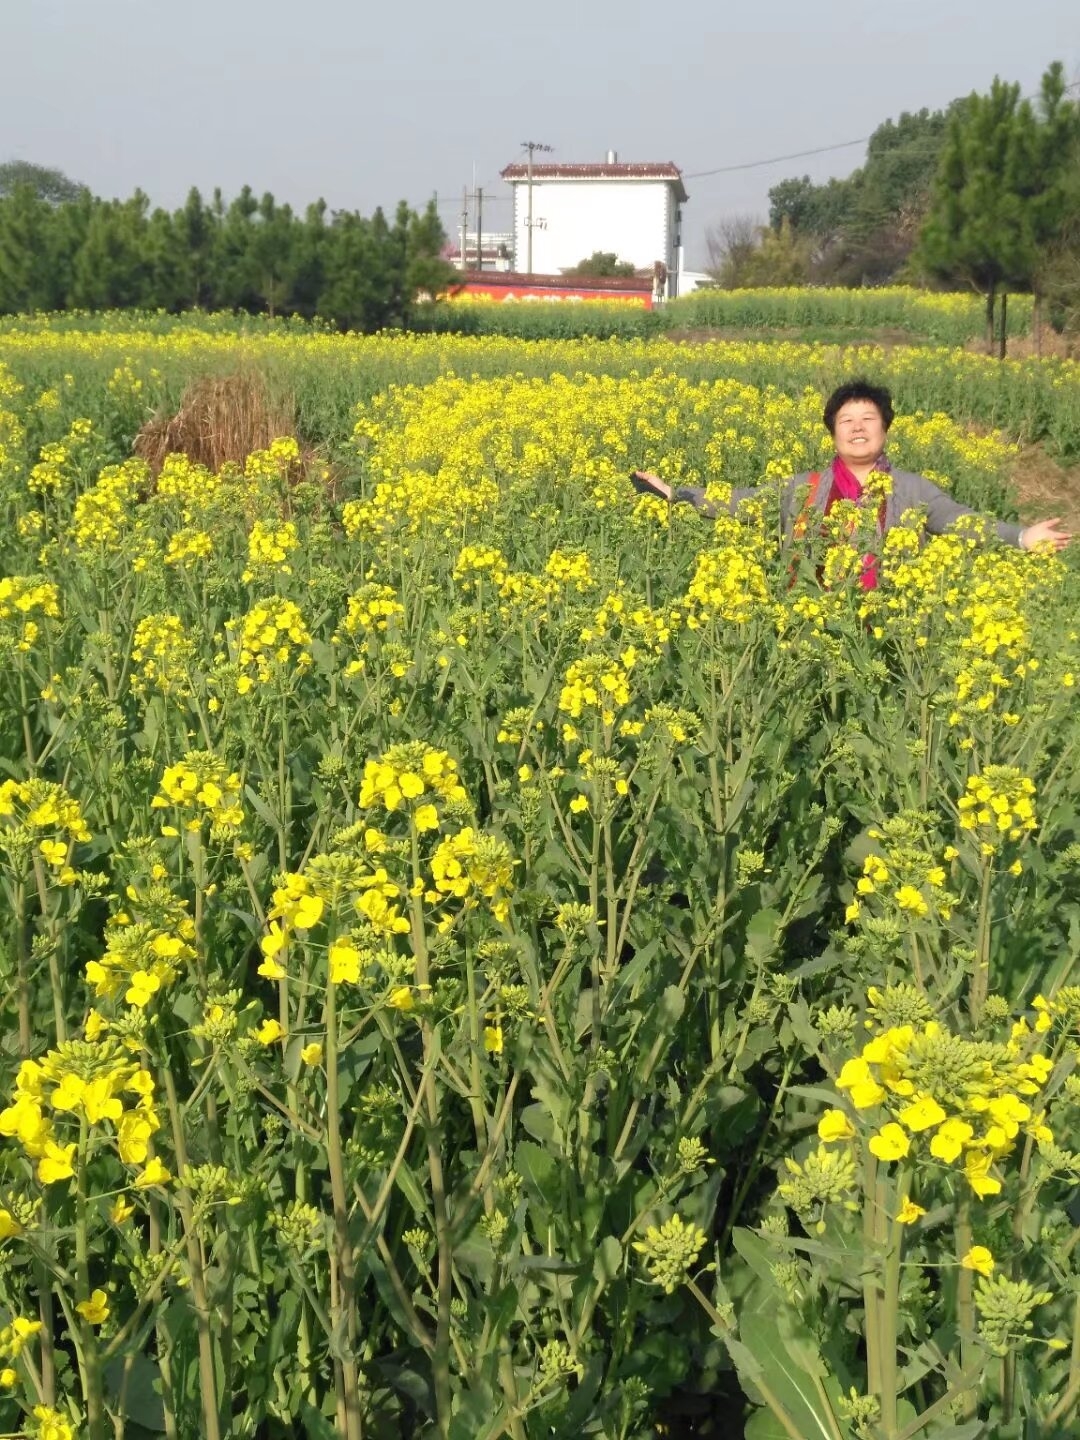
[364, 104]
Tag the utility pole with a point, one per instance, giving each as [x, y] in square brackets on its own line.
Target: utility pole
[464, 223]
[480, 228]
[531, 146]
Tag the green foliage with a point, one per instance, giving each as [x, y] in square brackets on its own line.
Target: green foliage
[1004, 189]
[544, 320]
[601, 263]
[861, 230]
[779, 258]
[61, 251]
[945, 319]
[52, 186]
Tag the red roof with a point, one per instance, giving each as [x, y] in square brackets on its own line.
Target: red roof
[508, 279]
[661, 170]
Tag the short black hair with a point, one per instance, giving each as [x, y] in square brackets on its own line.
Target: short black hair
[858, 390]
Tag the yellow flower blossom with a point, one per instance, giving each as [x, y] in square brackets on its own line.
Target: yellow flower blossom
[978, 1258]
[835, 1125]
[94, 1311]
[909, 1212]
[890, 1143]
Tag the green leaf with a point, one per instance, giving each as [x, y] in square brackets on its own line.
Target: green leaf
[762, 935]
[475, 1409]
[259, 805]
[142, 1392]
[973, 1430]
[608, 1260]
[787, 1361]
[672, 1005]
[763, 1425]
[538, 1122]
[549, 1264]
[540, 1172]
[316, 1425]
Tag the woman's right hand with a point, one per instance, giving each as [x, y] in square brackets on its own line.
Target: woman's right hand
[650, 484]
[1043, 531]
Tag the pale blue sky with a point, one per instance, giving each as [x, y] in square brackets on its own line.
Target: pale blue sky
[364, 104]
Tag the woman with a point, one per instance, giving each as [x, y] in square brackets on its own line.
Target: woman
[858, 416]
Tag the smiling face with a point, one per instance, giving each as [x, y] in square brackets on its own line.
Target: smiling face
[859, 433]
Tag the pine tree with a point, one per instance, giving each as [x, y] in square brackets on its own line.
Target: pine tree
[427, 273]
[195, 228]
[1000, 192]
[25, 282]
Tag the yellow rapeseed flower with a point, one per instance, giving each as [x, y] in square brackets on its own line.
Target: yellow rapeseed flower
[834, 1126]
[94, 1311]
[978, 1258]
[890, 1143]
[910, 1212]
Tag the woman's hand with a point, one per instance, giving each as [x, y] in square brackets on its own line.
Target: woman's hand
[648, 484]
[1043, 531]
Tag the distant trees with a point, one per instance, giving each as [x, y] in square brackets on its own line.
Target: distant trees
[857, 231]
[747, 256]
[47, 184]
[1006, 193]
[730, 243]
[861, 230]
[602, 263]
[983, 194]
[61, 247]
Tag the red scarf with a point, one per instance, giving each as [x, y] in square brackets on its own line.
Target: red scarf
[847, 486]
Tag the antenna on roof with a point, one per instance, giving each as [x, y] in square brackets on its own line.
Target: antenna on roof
[530, 146]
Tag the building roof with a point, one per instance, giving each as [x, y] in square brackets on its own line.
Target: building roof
[509, 279]
[660, 170]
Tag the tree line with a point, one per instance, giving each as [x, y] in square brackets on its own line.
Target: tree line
[62, 247]
[984, 194]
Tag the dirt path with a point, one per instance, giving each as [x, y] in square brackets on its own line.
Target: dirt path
[1046, 488]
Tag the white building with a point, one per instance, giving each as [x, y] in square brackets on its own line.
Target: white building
[572, 211]
[498, 248]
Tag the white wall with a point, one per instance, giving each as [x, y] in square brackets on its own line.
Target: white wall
[634, 218]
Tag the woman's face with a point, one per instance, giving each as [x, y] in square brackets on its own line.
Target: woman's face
[859, 433]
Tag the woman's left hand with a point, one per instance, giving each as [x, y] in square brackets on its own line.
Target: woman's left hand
[1043, 531]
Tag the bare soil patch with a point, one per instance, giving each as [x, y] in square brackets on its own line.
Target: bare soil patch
[1045, 487]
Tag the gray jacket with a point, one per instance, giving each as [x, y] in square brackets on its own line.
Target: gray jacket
[909, 492]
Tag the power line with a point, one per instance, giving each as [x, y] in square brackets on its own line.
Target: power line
[803, 154]
[759, 164]
[775, 160]
[489, 199]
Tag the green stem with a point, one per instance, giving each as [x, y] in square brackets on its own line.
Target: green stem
[207, 1370]
[28, 739]
[22, 963]
[765, 1133]
[88, 1343]
[965, 1308]
[888, 1313]
[942, 1404]
[51, 928]
[163, 1339]
[870, 1286]
[346, 1308]
[440, 1361]
[980, 980]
